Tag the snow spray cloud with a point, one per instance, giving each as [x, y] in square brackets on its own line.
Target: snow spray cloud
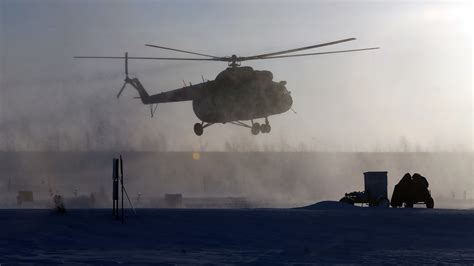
[402, 97]
[397, 99]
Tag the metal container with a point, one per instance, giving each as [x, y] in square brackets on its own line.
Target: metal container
[375, 185]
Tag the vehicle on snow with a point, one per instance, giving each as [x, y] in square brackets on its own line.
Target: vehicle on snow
[412, 190]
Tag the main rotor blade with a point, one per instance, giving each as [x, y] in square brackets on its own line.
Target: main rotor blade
[152, 58]
[294, 50]
[321, 53]
[178, 50]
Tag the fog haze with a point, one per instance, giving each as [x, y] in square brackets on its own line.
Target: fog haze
[414, 94]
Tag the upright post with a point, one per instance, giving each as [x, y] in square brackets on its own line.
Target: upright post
[115, 176]
[121, 181]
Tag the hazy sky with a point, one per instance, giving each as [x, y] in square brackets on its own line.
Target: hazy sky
[414, 93]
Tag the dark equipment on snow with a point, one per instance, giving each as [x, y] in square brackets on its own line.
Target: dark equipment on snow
[236, 95]
[412, 190]
[59, 204]
[174, 200]
[24, 196]
[375, 193]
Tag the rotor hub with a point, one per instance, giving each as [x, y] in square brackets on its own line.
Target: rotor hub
[234, 61]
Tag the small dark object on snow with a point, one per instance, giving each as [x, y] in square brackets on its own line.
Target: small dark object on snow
[174, 200]
[59, 204]
[24, 196]
[355, 197]
[412, 190]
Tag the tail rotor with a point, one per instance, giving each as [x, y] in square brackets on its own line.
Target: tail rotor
[127, 79]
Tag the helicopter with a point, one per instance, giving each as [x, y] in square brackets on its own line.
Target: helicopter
[237, 94]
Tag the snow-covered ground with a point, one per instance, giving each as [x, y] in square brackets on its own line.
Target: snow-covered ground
[326, 232]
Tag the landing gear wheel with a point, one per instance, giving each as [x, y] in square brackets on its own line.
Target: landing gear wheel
[256, 128]
[429, 203]
[198, 129]
[265, 128]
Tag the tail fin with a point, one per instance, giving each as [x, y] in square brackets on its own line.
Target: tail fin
[144, 96]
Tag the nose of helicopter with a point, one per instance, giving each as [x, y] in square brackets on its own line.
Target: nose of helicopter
[286, 100]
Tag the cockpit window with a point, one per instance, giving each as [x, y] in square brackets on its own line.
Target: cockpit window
[283, 88]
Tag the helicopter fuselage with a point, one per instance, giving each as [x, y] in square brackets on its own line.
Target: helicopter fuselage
[246, 101]
[246, 105]
[237, 94]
